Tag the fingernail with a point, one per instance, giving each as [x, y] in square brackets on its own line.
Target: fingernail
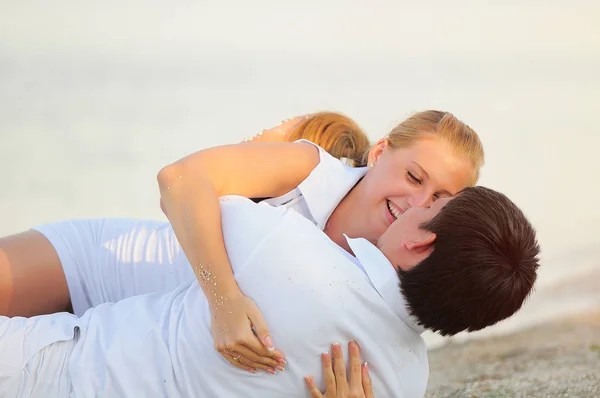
[282, 362]
[269, 343]
[366, 365]
[271, 371]
[280, 368]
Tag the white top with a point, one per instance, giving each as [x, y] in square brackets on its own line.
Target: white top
[310, 293]
[107, 260]
[319, 194]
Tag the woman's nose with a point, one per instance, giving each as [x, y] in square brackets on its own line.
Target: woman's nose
[420, 200]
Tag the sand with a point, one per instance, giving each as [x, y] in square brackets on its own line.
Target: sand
[555, 359]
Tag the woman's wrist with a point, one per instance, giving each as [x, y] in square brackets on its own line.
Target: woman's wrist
[218, 287]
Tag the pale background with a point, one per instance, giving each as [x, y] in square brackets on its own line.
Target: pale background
[95, 97]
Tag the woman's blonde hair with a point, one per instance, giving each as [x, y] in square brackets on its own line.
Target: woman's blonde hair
[336, 133]
[445, 125]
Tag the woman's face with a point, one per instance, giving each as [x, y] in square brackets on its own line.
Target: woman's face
[402, 178]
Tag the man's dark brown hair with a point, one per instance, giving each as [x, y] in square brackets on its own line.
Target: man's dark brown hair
[482, 268]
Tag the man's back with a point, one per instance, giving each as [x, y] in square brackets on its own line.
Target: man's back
[310, 292]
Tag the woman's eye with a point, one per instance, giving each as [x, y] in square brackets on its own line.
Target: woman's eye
[414, 179]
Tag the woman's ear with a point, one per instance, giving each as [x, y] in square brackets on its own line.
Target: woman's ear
[377, 150]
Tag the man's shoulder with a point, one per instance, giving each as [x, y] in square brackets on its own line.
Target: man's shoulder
[241, 212]
[257, 228]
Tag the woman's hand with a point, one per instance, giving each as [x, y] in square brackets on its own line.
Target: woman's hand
[190, 190]
[335, 376]
[278, 133]
[241, 335]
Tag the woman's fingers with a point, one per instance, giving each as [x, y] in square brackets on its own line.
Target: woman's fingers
[339, 369]
[264, 361]
[248, 362]
[237, 331]
[366, 382]
[334, 374]
[236, 363]
[355, 368]
[250, 359]
[260, 327]
[260, 342]
[330, 382]
[312, 387]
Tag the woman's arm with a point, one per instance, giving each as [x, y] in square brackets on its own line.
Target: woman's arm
[275, 134]
[189, 190]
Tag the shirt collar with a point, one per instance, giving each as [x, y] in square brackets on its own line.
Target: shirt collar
[338, 189]
[328, 183]
[384, 278]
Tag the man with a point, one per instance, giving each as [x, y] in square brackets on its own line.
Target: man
[464, 264]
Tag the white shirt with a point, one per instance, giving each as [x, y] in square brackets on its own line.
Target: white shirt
[319, 194]
[107, 260]
[310, 294]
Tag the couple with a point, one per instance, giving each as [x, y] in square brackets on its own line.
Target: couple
[376, 254]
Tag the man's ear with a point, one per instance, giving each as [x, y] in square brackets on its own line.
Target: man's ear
[423, 244]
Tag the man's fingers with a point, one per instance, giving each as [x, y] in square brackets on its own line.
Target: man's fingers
[330, 384]
[366, 382]
[339, 369]
[312, 387]
[355, 368]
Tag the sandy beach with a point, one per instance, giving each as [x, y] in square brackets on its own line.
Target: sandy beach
[560, 358]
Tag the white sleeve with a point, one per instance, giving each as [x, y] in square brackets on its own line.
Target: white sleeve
[22, 338]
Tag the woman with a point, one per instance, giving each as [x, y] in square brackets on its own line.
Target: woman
[430, 155]
[31, 263]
